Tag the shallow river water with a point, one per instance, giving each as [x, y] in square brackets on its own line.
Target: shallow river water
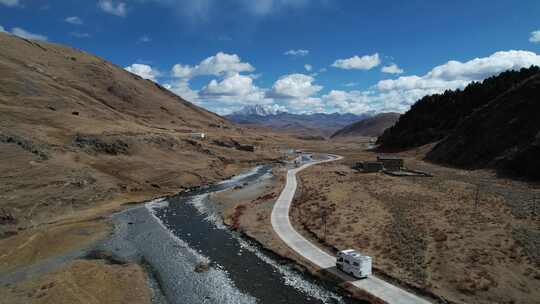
[174, 235]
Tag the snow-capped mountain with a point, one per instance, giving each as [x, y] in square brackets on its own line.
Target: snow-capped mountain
[275, 118]
[259, 110]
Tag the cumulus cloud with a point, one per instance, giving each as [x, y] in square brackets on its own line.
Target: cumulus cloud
[535, 37]
[342, 101]
[399, 94]
[306, 105]
[455, 74]
[74, 20]
[234, 85]
[10, 3]
[298, 53]
[143, 70]
[17, 31]
[231, 91]
[181, 88]
[392, 69]
[308, 67]
[294, 86]
[366, 62]
[217, 65]
[111, 7]
[2, 30]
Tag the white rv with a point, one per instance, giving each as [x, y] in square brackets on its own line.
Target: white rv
[198, 135]
[354, 263]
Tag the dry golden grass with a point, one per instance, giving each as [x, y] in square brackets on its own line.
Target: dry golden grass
[84, 282]
[428, 232]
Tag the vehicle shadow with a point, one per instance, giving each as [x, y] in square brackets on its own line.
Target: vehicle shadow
[346, 281]
[338, 275]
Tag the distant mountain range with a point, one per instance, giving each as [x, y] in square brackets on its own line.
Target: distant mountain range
[493, 124]
[369, 127]
[305, 124]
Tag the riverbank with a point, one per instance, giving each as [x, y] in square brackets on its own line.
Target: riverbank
[48, 262]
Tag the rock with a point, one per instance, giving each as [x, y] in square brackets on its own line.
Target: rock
[202, 267]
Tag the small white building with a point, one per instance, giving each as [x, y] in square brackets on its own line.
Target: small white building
[354, 263]
[197, 135]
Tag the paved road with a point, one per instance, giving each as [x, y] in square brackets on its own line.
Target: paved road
[283, 227]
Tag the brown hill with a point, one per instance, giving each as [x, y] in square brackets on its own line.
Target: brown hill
[369, 127]
[77, 131]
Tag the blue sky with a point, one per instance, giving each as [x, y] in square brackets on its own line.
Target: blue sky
[297, 55]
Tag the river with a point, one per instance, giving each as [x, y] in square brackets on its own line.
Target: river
[172, 236]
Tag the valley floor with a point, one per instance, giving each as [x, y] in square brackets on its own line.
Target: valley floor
[431, 235]
[428, 234]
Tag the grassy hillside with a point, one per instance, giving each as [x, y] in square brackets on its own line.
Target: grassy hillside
[369, 127]
[77, 131]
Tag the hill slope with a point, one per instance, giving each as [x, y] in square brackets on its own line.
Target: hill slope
[369, 127]
[490, 124]
[306, 124]
[78, 131]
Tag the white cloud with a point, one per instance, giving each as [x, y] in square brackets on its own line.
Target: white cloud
[392, 69]
[308, 67]
[299, 53]
[265, 7]
[233, 90]
[17, 31]
[455, 74]
[399, 94]
[234, 85]
[181, 88]
[144, 39]
[182, 71]
[79, 35]
[342, 101]
[366, 62]
[294, 86]
[2, 30]
[206, 10]
[10, 3]
[143, 70]
[306, 105]
[74, 20]
[119, 9]
[535, 37]
[217, 65]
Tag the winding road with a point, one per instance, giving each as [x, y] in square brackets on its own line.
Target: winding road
[282, 226]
